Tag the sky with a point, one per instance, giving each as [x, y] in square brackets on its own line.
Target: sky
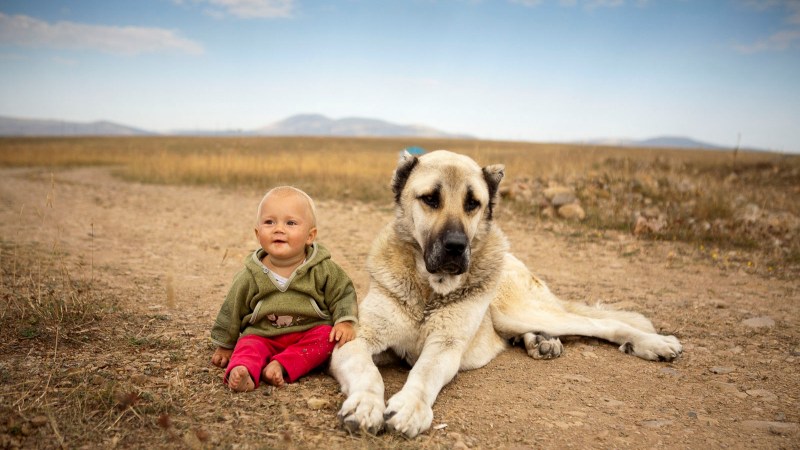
[721, 72]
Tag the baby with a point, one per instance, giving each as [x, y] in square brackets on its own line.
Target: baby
[289, 306]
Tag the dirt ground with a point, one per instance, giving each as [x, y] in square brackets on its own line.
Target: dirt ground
[164, 255]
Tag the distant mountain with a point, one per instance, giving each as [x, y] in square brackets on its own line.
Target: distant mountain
[301, 125]
[10, 126]
[661, 142]
[319, 125]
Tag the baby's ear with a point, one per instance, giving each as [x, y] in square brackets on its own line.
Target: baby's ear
[312, 234]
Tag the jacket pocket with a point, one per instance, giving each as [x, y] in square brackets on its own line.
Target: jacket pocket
[254, 318]
[322, 314]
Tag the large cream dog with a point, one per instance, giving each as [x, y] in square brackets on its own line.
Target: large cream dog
[446, 295]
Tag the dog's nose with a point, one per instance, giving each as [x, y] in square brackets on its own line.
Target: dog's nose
[455, 243]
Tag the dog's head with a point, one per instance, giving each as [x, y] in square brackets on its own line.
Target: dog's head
[444, 203]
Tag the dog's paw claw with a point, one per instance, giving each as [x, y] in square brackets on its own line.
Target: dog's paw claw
[408, 415]
[627, 348]
[362, 412]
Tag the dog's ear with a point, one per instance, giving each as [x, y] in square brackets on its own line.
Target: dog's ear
[493, 175]
[405, 165]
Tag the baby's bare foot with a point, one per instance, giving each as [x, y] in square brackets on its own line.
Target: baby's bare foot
[239, 380]
[273, 373]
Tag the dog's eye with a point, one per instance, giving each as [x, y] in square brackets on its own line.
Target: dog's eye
[471, 205]
[432, 200]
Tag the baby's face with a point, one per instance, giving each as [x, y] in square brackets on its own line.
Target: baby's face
[285, 225]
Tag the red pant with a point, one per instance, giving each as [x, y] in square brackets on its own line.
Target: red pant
[298, 353]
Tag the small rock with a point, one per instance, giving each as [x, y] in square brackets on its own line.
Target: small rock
[588, 354]
[721, 370]
[458, 441]
[730, 388]
[670, 371]
[759, 322]
[139, 379]
[558, 191]
[772, 427]
[643, 225]
[658, 423]
[572, 211]
[613, 403]
[316, 403]
[561, 199]
[39, 421]
[762, 394]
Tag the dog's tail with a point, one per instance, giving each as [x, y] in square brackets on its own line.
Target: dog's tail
[600, 311]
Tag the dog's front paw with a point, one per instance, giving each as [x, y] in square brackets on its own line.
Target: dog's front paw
[408, 414]
[542, 346]
[362, 411]
[654, 347]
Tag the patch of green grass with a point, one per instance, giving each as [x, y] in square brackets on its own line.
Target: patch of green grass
[29, 333]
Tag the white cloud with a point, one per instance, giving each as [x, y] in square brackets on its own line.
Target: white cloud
[31, 32]
[253, 9]
[783, 39]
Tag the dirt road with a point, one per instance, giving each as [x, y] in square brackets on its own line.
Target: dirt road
[166, 254]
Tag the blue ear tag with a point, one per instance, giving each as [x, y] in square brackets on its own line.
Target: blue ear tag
[414, 150]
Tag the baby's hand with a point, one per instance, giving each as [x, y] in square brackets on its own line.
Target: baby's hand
[221, 357]
[342, 332]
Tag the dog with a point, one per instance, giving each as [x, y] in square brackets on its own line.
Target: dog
[446, 295]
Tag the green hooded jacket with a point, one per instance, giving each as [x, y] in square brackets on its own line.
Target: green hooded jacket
[318, 292]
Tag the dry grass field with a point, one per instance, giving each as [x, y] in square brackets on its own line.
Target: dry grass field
[723, 200]
[116, 252]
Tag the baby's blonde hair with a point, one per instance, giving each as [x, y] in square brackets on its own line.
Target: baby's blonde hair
[289, 190]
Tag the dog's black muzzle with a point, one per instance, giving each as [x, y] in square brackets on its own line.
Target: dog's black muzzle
[449, 253]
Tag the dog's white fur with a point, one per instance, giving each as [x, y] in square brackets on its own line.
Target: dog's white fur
[445, 308]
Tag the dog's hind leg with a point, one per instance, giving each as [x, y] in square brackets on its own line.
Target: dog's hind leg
[645, 345]
[524, 304]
